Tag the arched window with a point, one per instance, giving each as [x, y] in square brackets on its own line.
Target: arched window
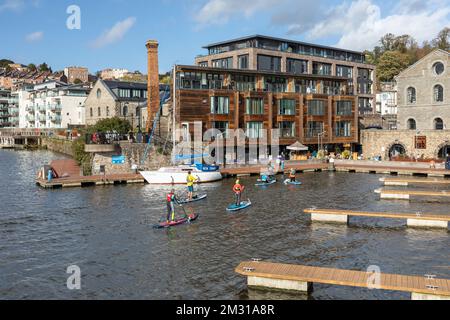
[99, 111]
[411, 95]
[412, 124]
[438, 124]
[125, 111]
[438, 68]
[99, 93]
[438, 93]
[91, 112]
[107, 111]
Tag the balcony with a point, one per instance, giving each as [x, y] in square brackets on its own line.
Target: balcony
[55, 107]
[42, 118]
[30, 110]
[30, 118]
[41, 109]
[56, 119]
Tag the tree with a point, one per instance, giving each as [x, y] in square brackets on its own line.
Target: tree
[116, 124]
[77, 81]
[44, 67]
[4, 63]
[387, 42]
[442, 41]
[32, 67]
[391, 64]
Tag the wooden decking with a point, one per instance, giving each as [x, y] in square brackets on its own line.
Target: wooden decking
[407, 182]
[392, 170]
[71, 182]
[428, 285]
[257, 169]
[408, 193]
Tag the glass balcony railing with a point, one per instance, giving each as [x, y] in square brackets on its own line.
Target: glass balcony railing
[30, 118]
[42, 118]
[30, 109]
[55, 107]
[42, 108]
[56, 119]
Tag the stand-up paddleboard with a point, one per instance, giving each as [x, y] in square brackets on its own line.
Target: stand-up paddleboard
[262, 184]
[293, 183]
[163, 225]
[194, 199]
[243, 205]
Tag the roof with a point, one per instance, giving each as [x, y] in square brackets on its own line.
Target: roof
[125, 85]
[261, 72]
[417, 62]
[258, 36]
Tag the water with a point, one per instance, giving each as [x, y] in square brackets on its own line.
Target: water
[107, 232]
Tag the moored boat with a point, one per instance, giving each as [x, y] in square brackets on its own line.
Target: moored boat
[177, 175]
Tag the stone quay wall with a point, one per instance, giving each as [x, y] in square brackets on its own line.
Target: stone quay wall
[58, 145]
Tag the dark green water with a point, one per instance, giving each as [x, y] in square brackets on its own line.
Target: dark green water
[107, 232]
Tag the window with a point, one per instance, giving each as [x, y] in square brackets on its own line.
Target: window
[322, 68]
[344, 108]
[411, 125]
[316, 108]
[125, 111]
[343, 129]
[220, 105]
[124, 93]
[269, 63]
[286, 107]
[438, 124]
[222, 126]
[99, 93]
[411, 95]
[91, 112]
[254, 106]
[314, 128]
[203, 64]
[107, 111]
[226, 63]
[99, 112]
[438, 93]
[297, 66]
[438, 68]
[275, 84]
[344, 71]
[243, 83]
[287, 129]
[254, 130]
[243, 62]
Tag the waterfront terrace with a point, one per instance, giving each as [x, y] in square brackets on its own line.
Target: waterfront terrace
[305, 107]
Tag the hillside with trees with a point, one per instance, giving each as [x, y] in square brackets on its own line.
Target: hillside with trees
[396, 53]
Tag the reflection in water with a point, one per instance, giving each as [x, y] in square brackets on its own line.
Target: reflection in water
[107, 232]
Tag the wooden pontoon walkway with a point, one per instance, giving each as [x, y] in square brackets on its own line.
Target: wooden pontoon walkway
[392, 170]
[301, 278]
[407, 182]
[257, 169]
[413, 219]
[406, 194]
[112, 179]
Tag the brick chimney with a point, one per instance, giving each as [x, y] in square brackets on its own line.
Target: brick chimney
[152, 82]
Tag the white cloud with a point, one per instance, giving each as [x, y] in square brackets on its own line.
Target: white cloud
[115, 34]
[35, 36]
[220, 11]
[14, 5]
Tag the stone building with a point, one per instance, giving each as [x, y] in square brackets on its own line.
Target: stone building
[76, 73]
[424, 94]
[109, 99]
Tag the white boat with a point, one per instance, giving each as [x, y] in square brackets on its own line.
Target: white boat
[177, 175]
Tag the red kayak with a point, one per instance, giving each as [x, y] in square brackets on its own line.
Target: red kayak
[190, 218]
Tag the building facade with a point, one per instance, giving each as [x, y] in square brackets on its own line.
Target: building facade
[75, 74]
[312, 109]
[113, 74]
[110, 99]
[52, 105]
[424, 94]
[264, 53]
[9, 109]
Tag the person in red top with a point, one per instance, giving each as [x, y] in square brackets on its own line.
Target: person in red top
[171, 200]
[238, 189]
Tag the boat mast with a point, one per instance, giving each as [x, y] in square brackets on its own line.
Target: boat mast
[174, 104]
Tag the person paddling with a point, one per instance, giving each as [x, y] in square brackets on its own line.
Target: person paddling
[190, 185]
[238, 188]
[292, 175]
[171, 200]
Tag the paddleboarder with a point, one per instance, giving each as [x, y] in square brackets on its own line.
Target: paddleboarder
[292, 175]
[171, 200]
[190, 179]
[238, 188]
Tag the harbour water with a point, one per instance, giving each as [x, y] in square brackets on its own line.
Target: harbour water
[107, 232]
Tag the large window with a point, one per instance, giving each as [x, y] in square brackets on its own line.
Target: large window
[275, 84]
[344, 71]
[316, 107]
[411, 95]
[297, 66]
[322, 68]
[226, 63]
[344, 108]
[220, 105]
[411, 124]
[269, 63]
[438, 68]
[243, 62]
[314, 128]
[254, 130]
[254, 106]
[222, 126]
[244, 83]
[287, 129]
[286, 107]
[438, 124]
[438, 93]
[343, 129]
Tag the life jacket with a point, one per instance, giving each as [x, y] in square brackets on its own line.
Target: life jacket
[170, 197]
[237, 188]
[292, 174]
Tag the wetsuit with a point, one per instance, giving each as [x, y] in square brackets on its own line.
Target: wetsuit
[292, 176]
[171, 199]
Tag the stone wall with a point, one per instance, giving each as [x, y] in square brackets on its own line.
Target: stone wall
[133, 152]
[58, 145]
[380, 142]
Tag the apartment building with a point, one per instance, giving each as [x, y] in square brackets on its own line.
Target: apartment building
[52, 105]
[9, 109]
[262, 53]
[309, 108]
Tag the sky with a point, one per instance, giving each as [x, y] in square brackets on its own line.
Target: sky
[112, 33]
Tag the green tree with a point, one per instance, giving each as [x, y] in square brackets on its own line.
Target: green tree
[116, 124]
[391, 64]
[4, 63]
[77, 81]
[442, 41]
[32, 67]
[44, 67]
